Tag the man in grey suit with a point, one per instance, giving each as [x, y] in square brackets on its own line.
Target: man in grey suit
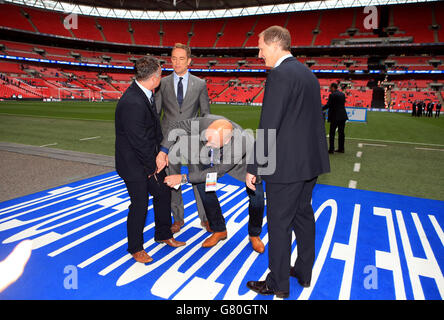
[181, 96]
[216, 145]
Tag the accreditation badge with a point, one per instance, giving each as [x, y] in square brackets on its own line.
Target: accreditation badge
[211, 182]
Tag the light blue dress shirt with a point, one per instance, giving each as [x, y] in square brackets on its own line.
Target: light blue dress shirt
[184, 82]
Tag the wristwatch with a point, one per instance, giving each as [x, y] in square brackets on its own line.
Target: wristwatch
[184, 179]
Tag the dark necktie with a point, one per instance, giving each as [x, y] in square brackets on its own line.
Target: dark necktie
[180, 92]
[153, 104]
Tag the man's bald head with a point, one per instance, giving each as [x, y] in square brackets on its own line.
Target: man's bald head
[218, 133]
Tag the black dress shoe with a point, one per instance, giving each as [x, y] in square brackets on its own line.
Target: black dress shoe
[293, 273]
[340, 151]
[331, 151]
[261, 288]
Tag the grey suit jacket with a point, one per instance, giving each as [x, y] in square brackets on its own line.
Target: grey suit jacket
[196, 98]
[235, 156]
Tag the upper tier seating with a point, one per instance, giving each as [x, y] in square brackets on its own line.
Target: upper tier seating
[11, 16]
[307, 28]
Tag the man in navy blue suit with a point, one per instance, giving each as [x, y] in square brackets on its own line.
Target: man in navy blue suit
[292, 113]
[138, 137]
[337, 116]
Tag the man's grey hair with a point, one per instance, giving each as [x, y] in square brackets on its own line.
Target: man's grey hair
[146, 67]
[277, 34]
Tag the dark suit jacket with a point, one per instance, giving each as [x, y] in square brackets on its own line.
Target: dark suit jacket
[138, 135]
[336, 107]
[292, 106]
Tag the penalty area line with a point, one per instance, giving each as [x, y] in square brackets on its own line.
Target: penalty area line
[90, 138]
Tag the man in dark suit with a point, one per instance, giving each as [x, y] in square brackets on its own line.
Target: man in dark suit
[138, 137]
[414, 108]
[293, 136]
[437, 110]
[430, 106]
[181, 96]
[221, 147]
[420, 108]
[337, 116]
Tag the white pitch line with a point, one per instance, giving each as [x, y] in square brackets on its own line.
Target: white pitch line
[352, 184]
[49, 144]
[357, 167]
[374, 145]
[90, 138]
[429, 149]
[395, 141]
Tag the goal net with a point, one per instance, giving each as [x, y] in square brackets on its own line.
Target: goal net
[74, 94]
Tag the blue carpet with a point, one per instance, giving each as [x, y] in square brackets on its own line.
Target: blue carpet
[369, 245]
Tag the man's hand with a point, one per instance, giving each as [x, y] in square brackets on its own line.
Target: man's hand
[161, 161]
[173, 180]
[250, 180]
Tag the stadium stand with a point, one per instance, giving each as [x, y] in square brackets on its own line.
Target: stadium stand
[175, 31]
[309, 29]
[236, 31]
[115, 30]
[302, 25]
[205, 34]
[332, 24]
[12, 16]
[51, 23]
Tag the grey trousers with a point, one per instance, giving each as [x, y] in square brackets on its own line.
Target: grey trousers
[177, 206]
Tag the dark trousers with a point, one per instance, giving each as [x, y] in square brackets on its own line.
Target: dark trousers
[289, 210]
[139, 192]
[437, 113]
[340, 124]
[216, 218]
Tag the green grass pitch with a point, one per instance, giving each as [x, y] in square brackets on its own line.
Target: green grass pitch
[396, 153]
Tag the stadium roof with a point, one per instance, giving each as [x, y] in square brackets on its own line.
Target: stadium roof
[196, 9]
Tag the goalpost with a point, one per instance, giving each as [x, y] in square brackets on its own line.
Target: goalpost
[107, 95]
[74, 93]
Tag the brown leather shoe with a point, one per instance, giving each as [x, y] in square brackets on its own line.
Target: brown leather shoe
[206, 225]
[214, 239]
[176, 226]
[172, 242]
[257, 244]
[142, 257]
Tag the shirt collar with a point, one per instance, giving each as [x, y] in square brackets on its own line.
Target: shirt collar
[184, 77]
[282, 59]
[147, 92]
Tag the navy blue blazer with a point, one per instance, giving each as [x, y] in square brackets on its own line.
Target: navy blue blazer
[336, 106]
[292, 106]
[138, 135]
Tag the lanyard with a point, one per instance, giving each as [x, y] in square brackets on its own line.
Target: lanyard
[211, 157]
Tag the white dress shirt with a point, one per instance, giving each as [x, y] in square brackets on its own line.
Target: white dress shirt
[147, 92]
[282, 59]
